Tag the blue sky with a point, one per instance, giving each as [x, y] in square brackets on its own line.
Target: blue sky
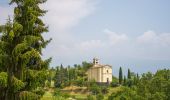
[133, 34]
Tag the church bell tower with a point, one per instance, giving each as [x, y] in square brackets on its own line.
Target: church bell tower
[95, 61]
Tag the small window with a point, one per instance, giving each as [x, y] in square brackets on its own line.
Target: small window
[107, 71]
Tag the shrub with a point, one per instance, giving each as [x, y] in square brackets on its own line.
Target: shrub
[90, 97]
[58, 93]
[104, 89]
[95, 89]
[114, 84]
[99, 97]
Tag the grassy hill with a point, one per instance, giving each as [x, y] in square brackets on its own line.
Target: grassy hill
[78, 93]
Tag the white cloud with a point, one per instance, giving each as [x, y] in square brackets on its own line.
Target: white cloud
[62, 16]
[65, 14]
[148, 37]
[116, 38]
[152, 38]
[90, 45]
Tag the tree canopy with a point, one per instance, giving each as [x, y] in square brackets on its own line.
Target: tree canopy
[22, 68]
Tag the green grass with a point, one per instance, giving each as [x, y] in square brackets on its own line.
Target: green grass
[47, 96]
[79, 96]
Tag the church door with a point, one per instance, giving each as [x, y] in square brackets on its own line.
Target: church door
[107, 80]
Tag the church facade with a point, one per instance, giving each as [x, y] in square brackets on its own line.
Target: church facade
[100, 73]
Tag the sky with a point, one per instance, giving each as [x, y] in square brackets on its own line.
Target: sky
[132, 34]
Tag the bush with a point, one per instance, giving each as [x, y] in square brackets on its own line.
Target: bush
[90, 97]
[58, 93]
[65, 95]
[104, 89]
[114, 84]
[48, 83]
[26, 95]
[95, 89]
[99, 97]
[58, 84]
[79, 82]
[39, 91]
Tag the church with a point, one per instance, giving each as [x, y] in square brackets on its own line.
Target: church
[100, 73]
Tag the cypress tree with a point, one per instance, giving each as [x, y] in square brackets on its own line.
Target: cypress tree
[124, 80]
[21, 45]
[120, 75]
[137, 76]
[129, 80]
[61, 67]
[129, 74]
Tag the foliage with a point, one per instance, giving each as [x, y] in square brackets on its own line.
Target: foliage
[90, 97]
[25, 95]
[76, 75]
[148, 87]
[124, 80]
[125, 94]
[17, 84]
[104, 89]
[151, 85]
[3, 83]
[61, 77]
[120, 75]
[99, 97]
[115, 82]
[58, 93]
[95, 89]
[39, 91]
[47, 83]
[21, 44]
[129, 74]
[3, 79]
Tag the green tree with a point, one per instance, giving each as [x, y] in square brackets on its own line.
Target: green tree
[154, 86]
[21, 47]
[124, 80]
[61, 77]
[129, 74]
[138, 78]
[120, 75]
[86, 65]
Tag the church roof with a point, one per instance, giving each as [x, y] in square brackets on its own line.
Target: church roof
[100, 65]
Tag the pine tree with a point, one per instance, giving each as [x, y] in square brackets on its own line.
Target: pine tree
[21, 45]
[120, 75]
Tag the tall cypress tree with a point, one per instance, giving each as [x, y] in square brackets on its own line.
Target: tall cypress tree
[124, 80]
[138, 78]
[21, 45]
[120, 75]
[129, 74]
